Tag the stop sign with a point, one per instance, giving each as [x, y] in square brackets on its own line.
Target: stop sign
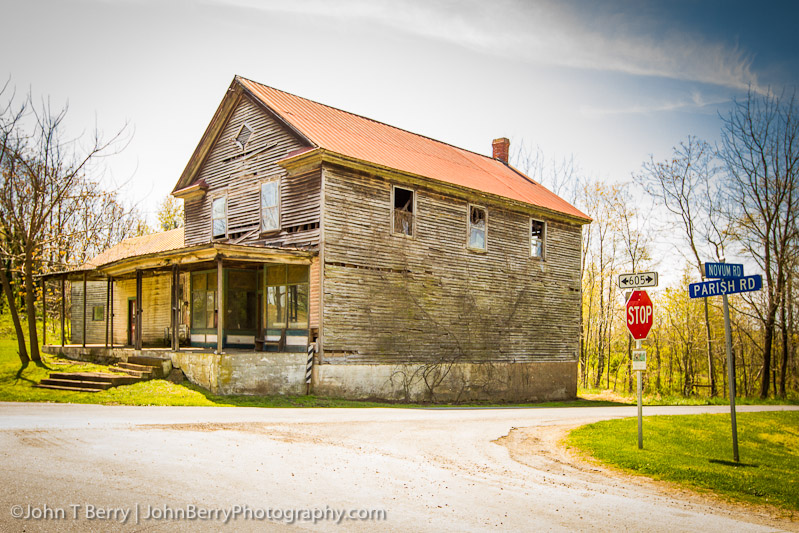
[639, 314]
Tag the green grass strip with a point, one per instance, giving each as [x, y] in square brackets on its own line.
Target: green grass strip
[696, 450]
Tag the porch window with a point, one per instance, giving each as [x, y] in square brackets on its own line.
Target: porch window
[287, 296]
[537, 235]
[203, 300]
[270, 205]
[98, 314]
[242, 300]
[477, 228]
[219, 218]
[404, 208]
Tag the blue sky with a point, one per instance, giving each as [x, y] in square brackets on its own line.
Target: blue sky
[607, 82]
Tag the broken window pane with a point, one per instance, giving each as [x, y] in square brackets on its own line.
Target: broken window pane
[537, 238]
[403, 211]
[477, 228]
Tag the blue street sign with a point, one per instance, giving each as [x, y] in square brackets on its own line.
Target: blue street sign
[723, 270]
[718, 287]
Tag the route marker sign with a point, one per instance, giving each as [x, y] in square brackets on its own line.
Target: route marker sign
[636, 280]
[639, 359]
[724, 270]
[724, 286]
[640, 315]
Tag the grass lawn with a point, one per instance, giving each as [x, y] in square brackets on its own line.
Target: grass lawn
[696, 450]
[17, 385]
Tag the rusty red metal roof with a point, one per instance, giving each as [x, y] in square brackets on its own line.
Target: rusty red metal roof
[135, 246]
[369, 140]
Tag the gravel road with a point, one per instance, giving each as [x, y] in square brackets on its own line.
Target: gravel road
[116, 468]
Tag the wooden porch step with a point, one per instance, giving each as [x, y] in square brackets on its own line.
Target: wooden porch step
[137, 371]
[85, 381]
[74, 383]
[65, 387]
[97, 377]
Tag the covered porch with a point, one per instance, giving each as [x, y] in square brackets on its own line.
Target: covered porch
[186, 303]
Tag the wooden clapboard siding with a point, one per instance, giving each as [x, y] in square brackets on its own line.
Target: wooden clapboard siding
[393, 299]
[156, 303]
[95, 330]
[229, 171]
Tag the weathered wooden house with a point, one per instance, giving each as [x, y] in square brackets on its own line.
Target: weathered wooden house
[413, 268]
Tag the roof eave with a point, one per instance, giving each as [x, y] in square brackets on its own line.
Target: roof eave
[204, 252]
[313, 158]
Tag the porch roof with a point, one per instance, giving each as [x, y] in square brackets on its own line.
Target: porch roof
[145, 258]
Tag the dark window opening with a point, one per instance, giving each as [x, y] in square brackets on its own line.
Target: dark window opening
[403, 211]
[537, 229]
[98, 313]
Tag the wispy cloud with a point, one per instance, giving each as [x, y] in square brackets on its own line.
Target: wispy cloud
[695, 101]
[548, 32]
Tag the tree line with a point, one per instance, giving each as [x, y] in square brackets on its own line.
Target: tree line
[736, 201]
[55, 213]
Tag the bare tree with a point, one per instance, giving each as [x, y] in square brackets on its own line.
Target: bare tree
[687, 186]
[561, 176]
[41, 170]
[760, 146]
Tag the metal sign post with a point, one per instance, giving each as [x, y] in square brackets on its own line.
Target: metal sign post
[731, 379]
[639, 354]
[640, 313]
[729, 279]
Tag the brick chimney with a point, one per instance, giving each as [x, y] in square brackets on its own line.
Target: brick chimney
[501, 148]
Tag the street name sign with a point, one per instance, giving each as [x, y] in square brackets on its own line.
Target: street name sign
[639, 359]
[720, 287]
[724, 270]
[639, 315]
[729, 279]
[640, 279]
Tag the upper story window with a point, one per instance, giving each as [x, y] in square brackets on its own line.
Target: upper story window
[478, 219]
[537, 236]
[404, 210]
[270, 205]
[219, 218]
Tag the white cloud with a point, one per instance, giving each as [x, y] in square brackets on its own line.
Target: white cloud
[547, 32]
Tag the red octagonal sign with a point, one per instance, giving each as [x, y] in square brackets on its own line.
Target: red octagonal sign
[639, 315]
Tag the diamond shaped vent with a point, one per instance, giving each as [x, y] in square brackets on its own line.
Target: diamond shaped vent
[243, 136]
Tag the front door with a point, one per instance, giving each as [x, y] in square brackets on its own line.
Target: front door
[131, 321]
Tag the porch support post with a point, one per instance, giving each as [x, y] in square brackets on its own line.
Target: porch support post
[84, 308]
[137, 342]
[220, 301]
[63, 310]
[107, 300]
[174, 320]
[111, 309]
[44, 311]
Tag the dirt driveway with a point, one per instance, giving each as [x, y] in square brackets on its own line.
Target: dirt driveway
[101, 468]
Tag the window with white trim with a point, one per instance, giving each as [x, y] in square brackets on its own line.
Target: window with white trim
[537, 236]
[219, 218]
[270, 205]
[478, 219]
